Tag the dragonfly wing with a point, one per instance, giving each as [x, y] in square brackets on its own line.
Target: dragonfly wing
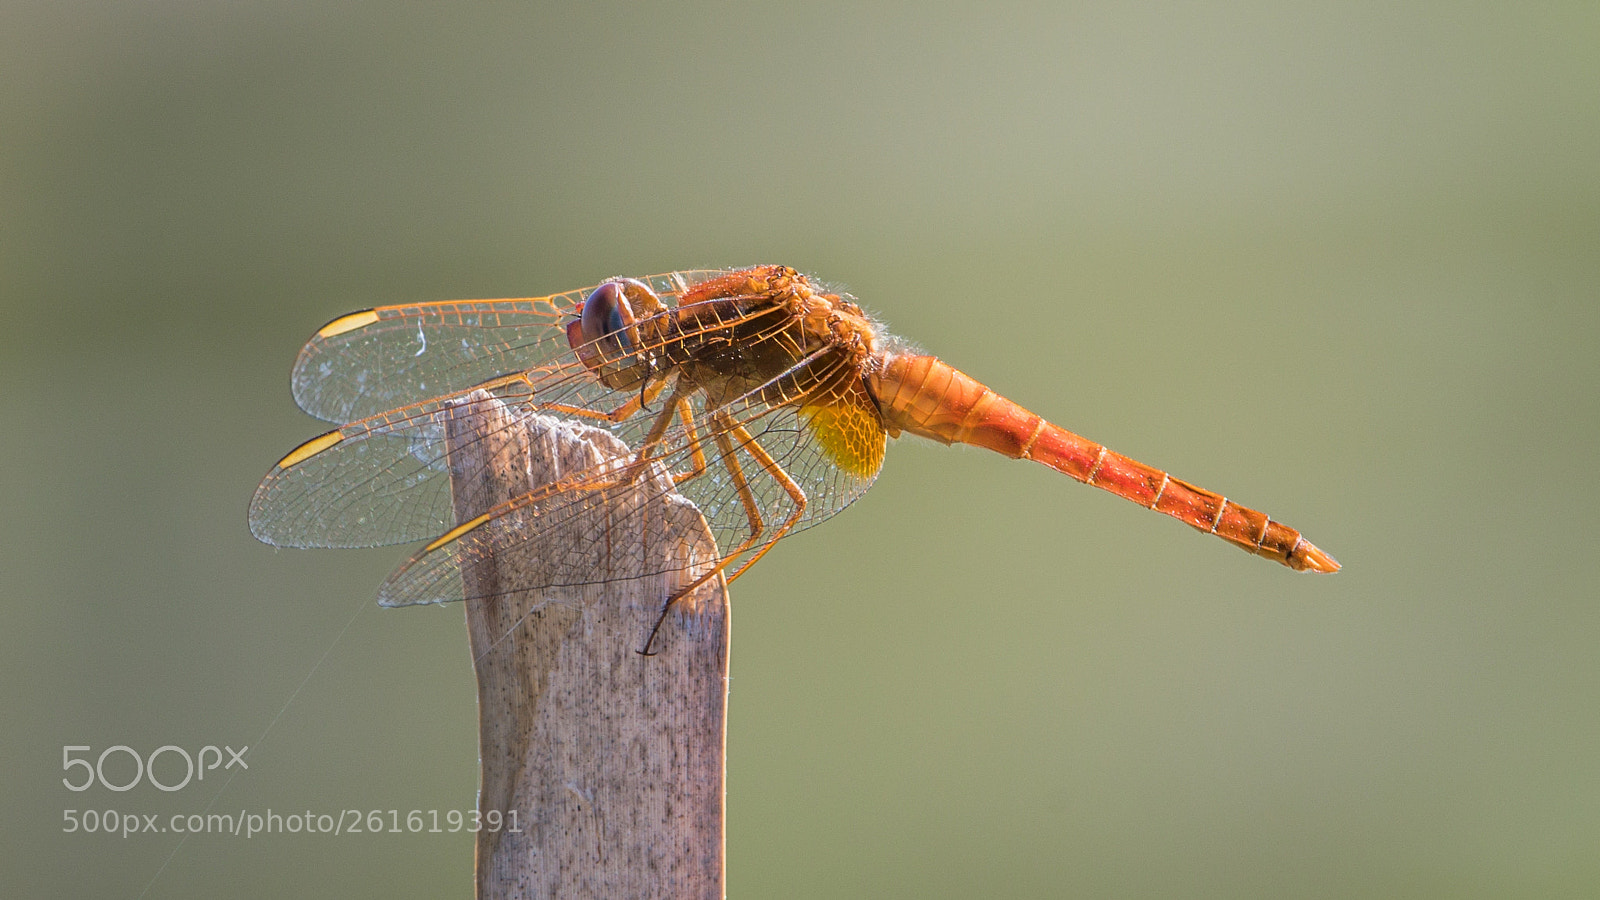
[366, 362]
[386, 479]
[378, 481]
[362, 364]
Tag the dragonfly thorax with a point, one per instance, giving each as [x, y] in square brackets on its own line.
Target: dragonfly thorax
[767, 330]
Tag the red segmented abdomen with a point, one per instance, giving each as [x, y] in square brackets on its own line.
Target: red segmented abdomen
[928, 397]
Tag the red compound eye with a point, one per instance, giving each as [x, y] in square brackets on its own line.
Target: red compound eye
[605, 336]
[606, 317]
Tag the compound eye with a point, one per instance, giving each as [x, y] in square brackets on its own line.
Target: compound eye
[606, 314]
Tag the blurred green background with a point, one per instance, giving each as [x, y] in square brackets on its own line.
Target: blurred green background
[1339, 261]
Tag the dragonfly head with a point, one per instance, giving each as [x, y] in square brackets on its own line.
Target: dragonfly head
[606, 334]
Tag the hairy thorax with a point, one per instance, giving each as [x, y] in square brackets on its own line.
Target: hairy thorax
[769, 326]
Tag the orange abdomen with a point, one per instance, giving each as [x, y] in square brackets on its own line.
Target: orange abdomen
[926, 396]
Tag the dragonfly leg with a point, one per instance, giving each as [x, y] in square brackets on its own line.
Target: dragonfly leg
[625, 411]
[697, 460]
[783, 479]
[752, 510]
[675, 406]
[678, 405]
[617, 415]
[652, 438]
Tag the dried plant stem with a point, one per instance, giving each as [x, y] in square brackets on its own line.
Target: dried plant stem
[609, 764]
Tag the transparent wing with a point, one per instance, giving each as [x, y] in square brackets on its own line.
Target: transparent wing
[384, 479]
[366, 362]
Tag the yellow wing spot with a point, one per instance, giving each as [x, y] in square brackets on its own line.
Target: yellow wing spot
[850, 432]
[309, 449]
[348, 323]
[455, 533]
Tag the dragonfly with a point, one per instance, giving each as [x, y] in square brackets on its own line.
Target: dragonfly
[767, 399]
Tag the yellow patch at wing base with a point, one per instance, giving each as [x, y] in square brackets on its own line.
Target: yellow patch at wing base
[847, 425]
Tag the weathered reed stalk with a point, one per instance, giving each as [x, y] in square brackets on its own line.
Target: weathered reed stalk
[609, 764]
